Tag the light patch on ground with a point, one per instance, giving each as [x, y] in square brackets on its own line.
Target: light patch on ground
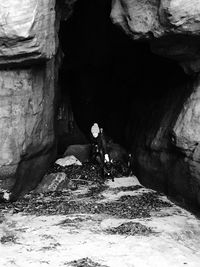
[55, 240]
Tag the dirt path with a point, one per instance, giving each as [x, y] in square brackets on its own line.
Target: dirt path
[124, 225]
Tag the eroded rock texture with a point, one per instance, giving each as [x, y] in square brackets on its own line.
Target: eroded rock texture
[146, 18]
[27, 115]
[176, 23]
[27, 91]
[163, 130]
[168, 147]
[27, 30]
[167, 137]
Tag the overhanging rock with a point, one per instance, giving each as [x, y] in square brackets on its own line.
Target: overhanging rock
[27, 31]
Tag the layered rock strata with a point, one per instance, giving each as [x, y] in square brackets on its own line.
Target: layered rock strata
[28, 73]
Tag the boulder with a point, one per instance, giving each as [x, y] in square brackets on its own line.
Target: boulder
[68, 160]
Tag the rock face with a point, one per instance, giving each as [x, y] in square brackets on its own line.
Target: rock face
[27, 31]
[27, 115]
[174, 22]
[147, 18]
[167, 141]
[167, 155]
[27, 91]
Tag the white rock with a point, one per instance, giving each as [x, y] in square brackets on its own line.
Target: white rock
[6, 195]
[68, 160]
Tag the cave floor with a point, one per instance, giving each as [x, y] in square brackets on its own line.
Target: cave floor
[123, 224]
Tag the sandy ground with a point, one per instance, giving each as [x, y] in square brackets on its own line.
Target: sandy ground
[58, 240]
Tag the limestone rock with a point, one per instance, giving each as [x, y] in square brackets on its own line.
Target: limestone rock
[67, 161]
[138, 18]
[26, 117]
[182, 16]
[27, 31]
[168, 155]
[146, 18]
[52, 182]
[187, 127]
[171, 26]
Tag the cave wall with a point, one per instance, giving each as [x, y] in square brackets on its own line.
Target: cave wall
[170, 26]
[164, 139]
[27, 31]
[28, 78]
[166, 143]
[26, 117]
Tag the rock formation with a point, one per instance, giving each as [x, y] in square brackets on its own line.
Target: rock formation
[165, 141]
[171, 26]
[27, 91]
[168, 152]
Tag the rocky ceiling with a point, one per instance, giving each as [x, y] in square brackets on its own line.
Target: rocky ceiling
[171, 26]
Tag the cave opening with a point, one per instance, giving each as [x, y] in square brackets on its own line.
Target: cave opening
[108, 78]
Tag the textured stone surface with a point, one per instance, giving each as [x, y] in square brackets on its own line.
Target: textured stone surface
[68, 160]
[28, 43]
[174, 22]
[26, 114]
[187, 127]
[52, 182]
[147, 18]
[168, 155]
[168, 149]
[167, 136]
[27, 30]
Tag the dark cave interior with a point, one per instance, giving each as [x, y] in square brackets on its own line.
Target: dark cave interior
[108, 78]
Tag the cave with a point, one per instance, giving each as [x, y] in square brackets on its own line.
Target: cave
[133, 69]
[70, 193]
[108, 78]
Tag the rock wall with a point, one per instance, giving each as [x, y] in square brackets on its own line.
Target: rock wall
[168, 154]
[25, 113]
[166, 144]
[167, 141]
[171, 26]
[27, 31]
[28, 77]
[157, 18]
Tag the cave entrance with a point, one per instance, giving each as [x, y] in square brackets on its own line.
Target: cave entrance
[108, 78]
